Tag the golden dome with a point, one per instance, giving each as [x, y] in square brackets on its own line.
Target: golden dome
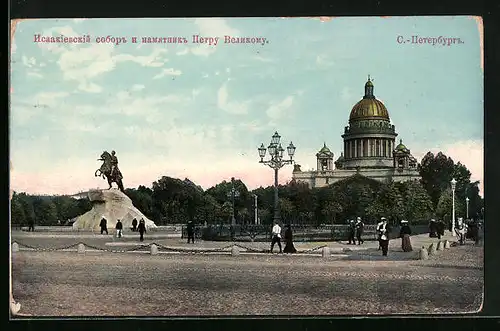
[369, 108]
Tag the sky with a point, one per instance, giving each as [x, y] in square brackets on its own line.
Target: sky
[201, 111]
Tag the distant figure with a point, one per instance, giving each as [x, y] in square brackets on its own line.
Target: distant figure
[405, 234]
[460, 230]
[119, 228]
[190, 231]
[383, 230]
[440, 228]
[142, 229]
[276, 236]
[104, 225]
[31, 225]
[289, 247]
[432, 229]
[352, 232]
[134, 225]
[359, 230]
[378, 234]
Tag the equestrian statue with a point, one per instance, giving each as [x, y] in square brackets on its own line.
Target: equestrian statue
[109, 170]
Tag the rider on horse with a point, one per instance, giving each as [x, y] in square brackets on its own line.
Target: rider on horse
[114, 164]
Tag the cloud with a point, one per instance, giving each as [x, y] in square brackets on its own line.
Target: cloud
[35, 74]
[323, 61]
[89, 87]
[168, 72]
[183, 52]
[137, 87]
[28, 62]
[262, 59]
[277, 110]
[231, 107]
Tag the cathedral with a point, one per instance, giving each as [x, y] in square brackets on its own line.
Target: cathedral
[370, 149]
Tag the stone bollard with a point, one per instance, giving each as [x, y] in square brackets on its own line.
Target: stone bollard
[446, 244]
[424, 255]
[432, 249]
[81, 248]
[440, 246]
[153, 249]
[15, 247]
[325, 252]
[235, 250]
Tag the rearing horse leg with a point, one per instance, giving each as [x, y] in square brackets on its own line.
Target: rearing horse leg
[109, 182]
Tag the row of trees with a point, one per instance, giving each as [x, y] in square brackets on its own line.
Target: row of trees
[171, 200]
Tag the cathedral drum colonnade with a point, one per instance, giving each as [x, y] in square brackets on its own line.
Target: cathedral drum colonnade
[369, 149]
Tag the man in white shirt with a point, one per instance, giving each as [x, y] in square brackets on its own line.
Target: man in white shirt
[384, 231]
[276, 236]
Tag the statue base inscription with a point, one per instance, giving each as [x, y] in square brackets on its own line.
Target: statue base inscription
[113, 205]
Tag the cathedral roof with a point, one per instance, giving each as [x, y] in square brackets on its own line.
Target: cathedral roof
[325, 150]
[369, 107]
[401, 147]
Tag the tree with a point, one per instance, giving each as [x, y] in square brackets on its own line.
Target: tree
[286, 210]
[418, 205]
[45, 211]
[436, 172]
[17, 215]
[445, 206]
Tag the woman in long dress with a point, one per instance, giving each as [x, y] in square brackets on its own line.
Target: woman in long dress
[404, 234]
[289, 248]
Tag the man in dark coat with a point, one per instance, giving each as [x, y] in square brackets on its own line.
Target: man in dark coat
[359, 230]
[134, 224]
[104, 225]
[119, 228]
[190, 232]
[31, 225]
[142, 229]
[352, 232]
[440, 228]
[384, 230]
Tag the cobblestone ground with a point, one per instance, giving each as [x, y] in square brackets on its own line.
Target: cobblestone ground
[121, 284]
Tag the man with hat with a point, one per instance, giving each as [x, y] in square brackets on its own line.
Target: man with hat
[384, 230]
[359, 230]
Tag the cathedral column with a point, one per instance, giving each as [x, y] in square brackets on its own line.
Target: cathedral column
[362, 150]
[369, 147]
[356, 148]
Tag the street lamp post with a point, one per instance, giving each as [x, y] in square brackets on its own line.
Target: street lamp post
[467, 206]
[453, 185]
[233, 193]
[276, 162]
[256, 214]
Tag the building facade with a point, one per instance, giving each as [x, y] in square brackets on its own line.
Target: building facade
[369, 149]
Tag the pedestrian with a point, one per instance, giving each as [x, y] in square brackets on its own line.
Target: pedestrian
[190, 231]
[359, 230]
[134, 225]
[31, 225]
[352, 232]
[289, 247]
[405, 234]
[378, 234]
[104, 225]
[119, 228]
[142, 229]
[440, 228]
[276, 236]
[432, 229]
[384, 230]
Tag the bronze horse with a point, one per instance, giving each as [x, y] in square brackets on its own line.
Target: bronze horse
[105, 171]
